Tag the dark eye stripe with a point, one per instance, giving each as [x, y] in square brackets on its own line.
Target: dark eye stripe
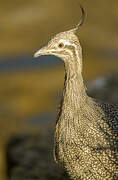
[71, 48]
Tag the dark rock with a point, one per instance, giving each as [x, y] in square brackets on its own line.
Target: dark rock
[30, 157]
[105, 88]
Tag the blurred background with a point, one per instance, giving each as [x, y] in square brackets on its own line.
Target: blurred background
[30, 88]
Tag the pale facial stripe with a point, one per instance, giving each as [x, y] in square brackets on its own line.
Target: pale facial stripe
[69, 51]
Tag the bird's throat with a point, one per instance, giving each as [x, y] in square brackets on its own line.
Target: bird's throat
[74, 89]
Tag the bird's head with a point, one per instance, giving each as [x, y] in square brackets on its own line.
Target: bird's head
[64, 44]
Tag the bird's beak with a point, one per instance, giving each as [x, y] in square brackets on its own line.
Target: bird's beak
[40, 52]
[43, 51]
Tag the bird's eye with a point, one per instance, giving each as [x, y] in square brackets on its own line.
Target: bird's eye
[60, 45]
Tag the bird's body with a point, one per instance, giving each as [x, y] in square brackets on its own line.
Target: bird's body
[86, 134]
[86, 140]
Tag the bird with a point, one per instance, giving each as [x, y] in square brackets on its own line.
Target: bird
[86, 130]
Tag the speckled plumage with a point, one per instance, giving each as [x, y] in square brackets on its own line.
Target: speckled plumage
[86, 141]
[86, 134]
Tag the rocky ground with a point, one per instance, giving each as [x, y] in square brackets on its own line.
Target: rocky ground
[30, 157]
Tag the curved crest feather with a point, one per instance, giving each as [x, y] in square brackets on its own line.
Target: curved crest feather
[81, 20]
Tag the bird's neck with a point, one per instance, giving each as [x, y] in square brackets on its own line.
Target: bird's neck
[74, 93]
